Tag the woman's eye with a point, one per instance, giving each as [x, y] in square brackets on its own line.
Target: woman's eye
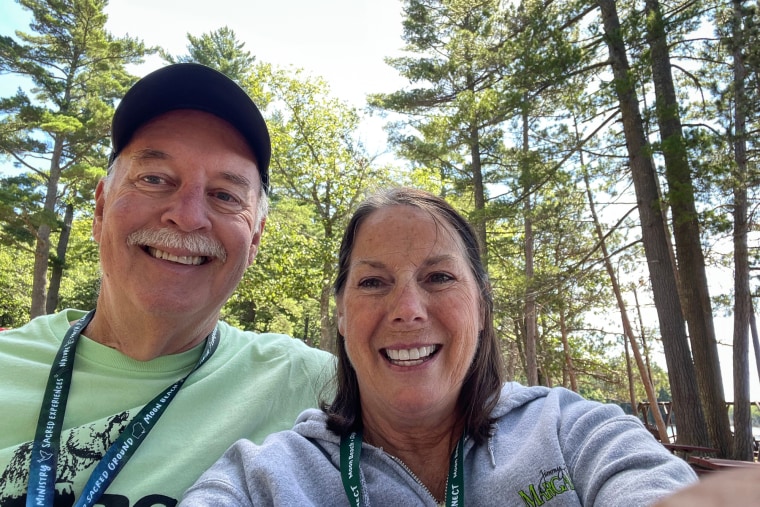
[369, 283]
[440, 278]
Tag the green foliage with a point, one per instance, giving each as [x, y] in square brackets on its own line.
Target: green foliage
[15, 280]
[56, 132]
[220, 50]
[319, 166]
[80, 285]
[284, 277]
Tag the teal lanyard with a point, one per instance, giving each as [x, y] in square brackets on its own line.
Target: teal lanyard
[350, 454]
[42, 470]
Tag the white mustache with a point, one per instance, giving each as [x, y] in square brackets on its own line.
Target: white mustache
[197, 244]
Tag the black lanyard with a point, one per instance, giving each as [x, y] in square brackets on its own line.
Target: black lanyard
[350, 454]
[42, 470]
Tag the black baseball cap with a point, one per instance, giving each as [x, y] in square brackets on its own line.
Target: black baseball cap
[192, 86]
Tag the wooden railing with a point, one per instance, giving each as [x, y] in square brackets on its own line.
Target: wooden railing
[702, 459]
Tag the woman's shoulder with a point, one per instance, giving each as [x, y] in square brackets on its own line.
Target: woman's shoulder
[514, 396]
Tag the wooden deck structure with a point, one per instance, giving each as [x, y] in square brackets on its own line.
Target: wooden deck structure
[702, 459]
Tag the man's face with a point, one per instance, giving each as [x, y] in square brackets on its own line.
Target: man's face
[176, 220]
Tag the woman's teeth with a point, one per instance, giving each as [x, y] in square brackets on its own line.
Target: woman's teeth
[410, 357]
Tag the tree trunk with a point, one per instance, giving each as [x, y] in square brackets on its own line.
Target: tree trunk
[326, 341]
[60, 262]
[742, 449]
[629, 374]
[531, 323]
[42, 249]
[643, 336]
[691, 263]
[629, 337]
[479, 194]
[569, 368]
[755, 340]
[689, 416]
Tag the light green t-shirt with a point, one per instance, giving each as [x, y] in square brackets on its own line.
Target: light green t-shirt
[254, 384]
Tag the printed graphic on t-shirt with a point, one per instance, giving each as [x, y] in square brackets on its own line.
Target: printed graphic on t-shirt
[80, 451]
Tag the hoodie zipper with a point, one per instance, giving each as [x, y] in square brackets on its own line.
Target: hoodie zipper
[409, 471]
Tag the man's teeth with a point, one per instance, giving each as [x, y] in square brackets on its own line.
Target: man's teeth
[185, 259]
[410, 357]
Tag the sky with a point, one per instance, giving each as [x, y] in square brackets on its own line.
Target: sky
[343, 41]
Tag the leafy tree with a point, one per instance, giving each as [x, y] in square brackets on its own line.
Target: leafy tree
[79, 288]
[450, 119]
[319, 163]
[220, 50]
[743, 440]
[58, 131]
[278, 292]
[654, 236]
[15, 280]
[692, 281]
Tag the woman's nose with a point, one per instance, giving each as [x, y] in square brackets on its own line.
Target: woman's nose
[409, 304]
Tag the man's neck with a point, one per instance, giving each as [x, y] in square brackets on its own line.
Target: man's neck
[147, 337]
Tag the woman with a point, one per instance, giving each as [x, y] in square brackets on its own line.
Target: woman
[420, 415]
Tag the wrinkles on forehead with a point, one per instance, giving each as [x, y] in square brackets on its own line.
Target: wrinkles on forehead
[148, 154]
[428, 262]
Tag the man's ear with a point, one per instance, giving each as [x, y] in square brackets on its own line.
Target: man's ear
[97, 220]
[253, 250]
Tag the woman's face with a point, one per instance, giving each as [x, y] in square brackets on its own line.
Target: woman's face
[410, 313]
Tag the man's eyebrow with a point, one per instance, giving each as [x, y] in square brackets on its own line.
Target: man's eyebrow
[153, 154]
[148, 154]
[237, 179]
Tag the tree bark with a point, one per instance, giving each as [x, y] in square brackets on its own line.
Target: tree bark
[742, 448]
[60, 262]
[42, 248]
[531, 325]
[569, 368]
[690, 258]
[690, 418]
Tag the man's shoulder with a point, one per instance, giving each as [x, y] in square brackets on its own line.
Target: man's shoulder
[44, 330]
[269, 346]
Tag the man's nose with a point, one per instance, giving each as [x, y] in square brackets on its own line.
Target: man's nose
[188, 210]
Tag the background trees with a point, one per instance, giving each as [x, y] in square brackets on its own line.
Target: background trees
[604, 150]
[58, 132]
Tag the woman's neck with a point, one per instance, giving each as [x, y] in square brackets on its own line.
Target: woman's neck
[426, 451]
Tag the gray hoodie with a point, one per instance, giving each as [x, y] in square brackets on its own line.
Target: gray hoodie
[549, 447]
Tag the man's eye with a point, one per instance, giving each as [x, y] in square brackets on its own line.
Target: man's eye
[153, 180]
[225, 197]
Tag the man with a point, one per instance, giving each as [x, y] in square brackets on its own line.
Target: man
[129, 404]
